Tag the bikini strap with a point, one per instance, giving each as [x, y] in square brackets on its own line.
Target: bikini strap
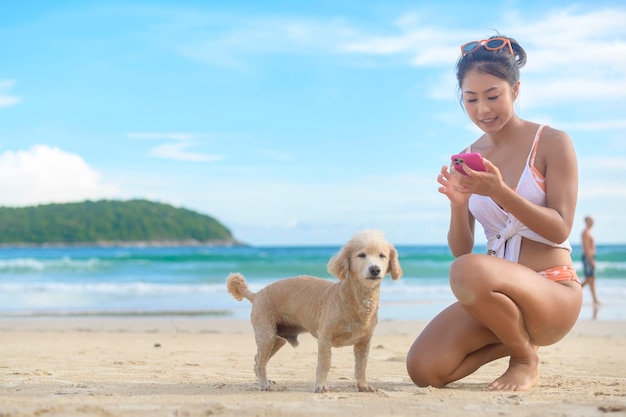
[533, 152]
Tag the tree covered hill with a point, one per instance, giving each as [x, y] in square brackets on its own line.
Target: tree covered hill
[109, 222]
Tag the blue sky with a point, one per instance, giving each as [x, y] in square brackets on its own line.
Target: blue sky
[293, 123]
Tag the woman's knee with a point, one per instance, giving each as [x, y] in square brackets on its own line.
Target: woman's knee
[422, 368]
[421, 372]
[467, 275]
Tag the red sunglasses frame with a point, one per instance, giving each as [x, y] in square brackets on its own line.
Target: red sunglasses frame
[485, 43]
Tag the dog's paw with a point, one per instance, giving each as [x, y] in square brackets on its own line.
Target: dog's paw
[366, 388]
[266, 386]
[320, 389]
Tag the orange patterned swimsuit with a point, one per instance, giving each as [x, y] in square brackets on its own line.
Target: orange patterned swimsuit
[560, 273]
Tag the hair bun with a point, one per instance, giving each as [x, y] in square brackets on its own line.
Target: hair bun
[520, 53]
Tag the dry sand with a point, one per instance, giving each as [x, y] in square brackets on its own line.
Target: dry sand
[203, 367]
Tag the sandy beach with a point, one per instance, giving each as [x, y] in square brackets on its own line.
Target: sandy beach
[158, 366]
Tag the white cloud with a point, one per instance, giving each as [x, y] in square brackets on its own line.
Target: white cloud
[546, 91]
[178, 152]
[161, 136]
[7, 99]
[261, 36]
[423, 46]
[177, 147]
[44, 174]
[583, 58]
[577, 39]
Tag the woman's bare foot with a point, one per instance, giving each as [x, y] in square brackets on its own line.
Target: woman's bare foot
[520, 376]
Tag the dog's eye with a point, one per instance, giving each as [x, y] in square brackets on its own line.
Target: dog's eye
[361, 255]
[382, 256]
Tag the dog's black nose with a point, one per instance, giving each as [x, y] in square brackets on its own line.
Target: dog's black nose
[374, 271]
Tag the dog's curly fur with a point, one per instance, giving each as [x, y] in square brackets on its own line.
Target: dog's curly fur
[338, 314]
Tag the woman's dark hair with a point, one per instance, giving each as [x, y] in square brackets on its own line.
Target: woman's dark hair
[500, 63]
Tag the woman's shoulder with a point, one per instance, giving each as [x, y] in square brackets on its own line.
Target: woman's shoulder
[555, 142]
[554, 136]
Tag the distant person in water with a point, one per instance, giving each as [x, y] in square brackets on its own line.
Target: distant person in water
[589, 258]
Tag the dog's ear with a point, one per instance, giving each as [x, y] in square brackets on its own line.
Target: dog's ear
[394, 265]
[339, 265]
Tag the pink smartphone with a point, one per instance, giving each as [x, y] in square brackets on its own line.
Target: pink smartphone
[473, 160]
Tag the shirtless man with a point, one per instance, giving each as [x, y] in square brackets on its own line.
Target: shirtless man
[589, 258]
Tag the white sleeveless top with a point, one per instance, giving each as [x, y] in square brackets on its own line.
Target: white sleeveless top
[504, 231]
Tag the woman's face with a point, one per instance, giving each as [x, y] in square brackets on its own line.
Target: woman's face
[488, 100]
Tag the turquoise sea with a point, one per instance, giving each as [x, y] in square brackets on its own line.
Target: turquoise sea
[191, 280]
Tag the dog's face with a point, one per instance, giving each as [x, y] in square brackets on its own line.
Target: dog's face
[367, 257]
[370, 263]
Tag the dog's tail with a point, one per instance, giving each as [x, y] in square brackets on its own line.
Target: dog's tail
[238, 288]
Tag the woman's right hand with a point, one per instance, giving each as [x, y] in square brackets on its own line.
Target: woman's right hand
[450, 186]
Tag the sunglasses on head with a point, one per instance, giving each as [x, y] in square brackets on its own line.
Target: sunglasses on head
[492, 44]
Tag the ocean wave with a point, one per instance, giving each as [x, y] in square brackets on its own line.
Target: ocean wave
[40, 265]
[127, 288]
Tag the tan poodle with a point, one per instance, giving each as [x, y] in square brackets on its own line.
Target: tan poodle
[338, 314]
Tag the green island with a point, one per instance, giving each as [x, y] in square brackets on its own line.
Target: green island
[110, 223]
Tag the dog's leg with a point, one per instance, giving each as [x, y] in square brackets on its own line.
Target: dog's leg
[361, 352]
[267, 346]
[324, 352]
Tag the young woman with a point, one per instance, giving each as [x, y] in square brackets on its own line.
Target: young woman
[524, 293]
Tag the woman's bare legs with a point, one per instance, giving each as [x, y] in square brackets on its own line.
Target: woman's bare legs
[452, 346]
[504, 309]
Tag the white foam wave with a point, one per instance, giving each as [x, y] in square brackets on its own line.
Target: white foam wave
[39, 265]
[130, 288]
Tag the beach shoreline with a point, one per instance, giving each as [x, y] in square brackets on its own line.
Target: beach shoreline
[156, 243]
[198, 366]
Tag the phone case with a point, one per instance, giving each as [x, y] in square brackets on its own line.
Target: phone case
[473, 160]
